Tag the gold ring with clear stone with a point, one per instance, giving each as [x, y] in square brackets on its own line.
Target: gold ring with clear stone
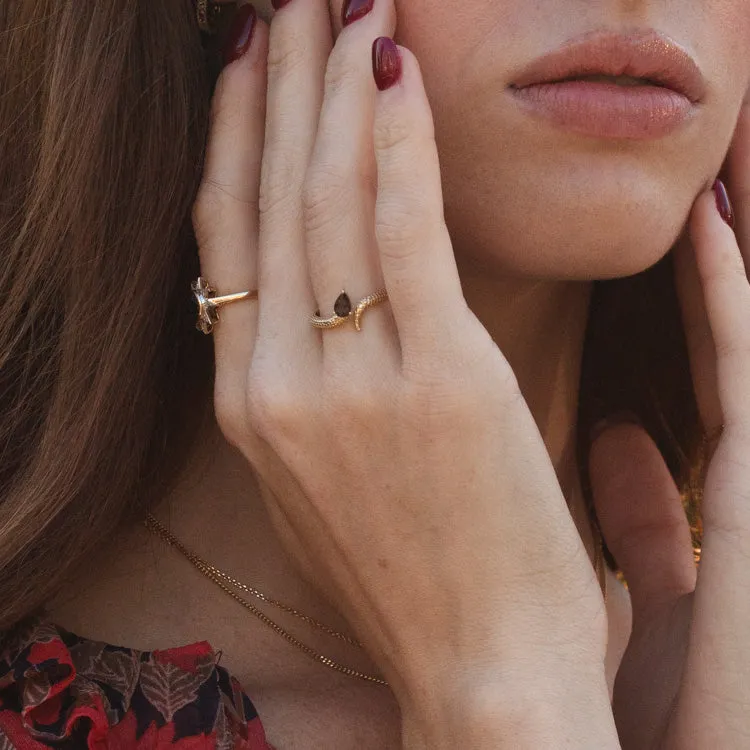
[343, 312]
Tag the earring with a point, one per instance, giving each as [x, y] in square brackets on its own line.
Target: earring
[209, 12]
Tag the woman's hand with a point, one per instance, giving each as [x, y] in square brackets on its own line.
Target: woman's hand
[401, 464]
[684, 683]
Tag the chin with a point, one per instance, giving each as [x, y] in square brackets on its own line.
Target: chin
[581, 219]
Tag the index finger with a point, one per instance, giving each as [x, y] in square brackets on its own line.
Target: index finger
[225, 214]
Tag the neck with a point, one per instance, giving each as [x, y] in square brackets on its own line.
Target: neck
[539, 326]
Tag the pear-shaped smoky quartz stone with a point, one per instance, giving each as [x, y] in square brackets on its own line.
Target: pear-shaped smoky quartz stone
[343, 305]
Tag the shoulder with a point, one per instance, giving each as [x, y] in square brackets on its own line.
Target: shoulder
[57, 686]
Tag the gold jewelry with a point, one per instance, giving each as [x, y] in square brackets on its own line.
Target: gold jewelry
[693, 495]
[221, 579]
[343, 311]
[208, 13]
[208, 303]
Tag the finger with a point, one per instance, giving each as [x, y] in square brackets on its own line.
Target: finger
[339, 195]
[717, 656]
[642, 517]
[416, 255]
[738, 171]
[225, 215]
[727, 297]
[698, 336]
[299, 45]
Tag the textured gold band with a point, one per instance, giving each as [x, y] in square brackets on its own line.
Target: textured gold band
[343, 311]
[209, 303]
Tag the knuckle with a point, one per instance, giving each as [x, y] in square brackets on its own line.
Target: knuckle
[273, 410]
[393, 135]
[465, 381]
[280, 182]
[340, 75]
[287, 52]
[399, 132]
[325, 194]
[399, 226]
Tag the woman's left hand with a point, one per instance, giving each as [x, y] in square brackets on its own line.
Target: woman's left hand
[684, 682]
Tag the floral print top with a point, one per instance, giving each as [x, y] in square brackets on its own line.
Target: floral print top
[60, 690]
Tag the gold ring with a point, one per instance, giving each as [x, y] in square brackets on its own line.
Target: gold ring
[208, 303]
[343, 311]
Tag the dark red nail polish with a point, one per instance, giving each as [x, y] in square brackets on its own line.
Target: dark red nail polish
[386, 62]
[240, 33]
[353, 10]
[278, 3]
[723, 203]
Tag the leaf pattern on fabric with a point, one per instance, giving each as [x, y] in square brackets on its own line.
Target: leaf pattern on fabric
[225, 738]
[116, 668]
[36, 689]
[168, 688]
[58, 689]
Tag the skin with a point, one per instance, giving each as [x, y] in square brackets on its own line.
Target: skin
[609, 210]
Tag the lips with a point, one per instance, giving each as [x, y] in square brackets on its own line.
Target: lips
[651, 57]
[639, 86]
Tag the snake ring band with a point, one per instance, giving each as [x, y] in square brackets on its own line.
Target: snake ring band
[343, 312]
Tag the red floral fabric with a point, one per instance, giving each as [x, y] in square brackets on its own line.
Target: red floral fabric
[60, 690]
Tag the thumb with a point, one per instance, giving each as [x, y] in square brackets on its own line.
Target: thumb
[641, 515]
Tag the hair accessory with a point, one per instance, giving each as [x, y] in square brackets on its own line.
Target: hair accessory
[208, 303]
[343, 311]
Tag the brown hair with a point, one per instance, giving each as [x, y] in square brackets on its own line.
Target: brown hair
[104, 117]
[103, 122]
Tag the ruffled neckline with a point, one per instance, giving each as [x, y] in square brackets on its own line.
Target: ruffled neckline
[57, 686]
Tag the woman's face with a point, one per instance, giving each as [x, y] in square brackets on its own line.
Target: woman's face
[536, 199]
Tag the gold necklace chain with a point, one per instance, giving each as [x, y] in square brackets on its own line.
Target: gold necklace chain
[220, 578]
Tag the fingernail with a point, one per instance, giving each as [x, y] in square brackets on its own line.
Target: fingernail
[278, 3]
[240, 33]
[386, 62]
[353, 10]
[723, 203]
[619, 417]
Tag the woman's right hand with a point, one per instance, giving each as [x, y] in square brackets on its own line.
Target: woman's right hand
[403, 467]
